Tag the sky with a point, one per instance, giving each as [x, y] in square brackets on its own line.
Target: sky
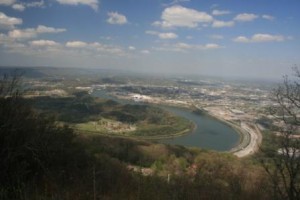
[250, 38]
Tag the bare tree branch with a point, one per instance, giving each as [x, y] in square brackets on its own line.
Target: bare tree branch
[283, 165]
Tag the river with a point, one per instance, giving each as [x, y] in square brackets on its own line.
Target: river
[209, 133]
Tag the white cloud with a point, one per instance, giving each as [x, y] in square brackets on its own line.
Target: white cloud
[5, 39]
[268, 17]
[132, 48]
[106, 38]
[267, 38]
[245, 17]
[7, 22]
[220, 24]
[21, 6]
[176, 2]
[12, 46]
[151, 32]
[43, 43]
[157, 23]
[70, 48]
[178, 16]
[7, 2]
[145, 51]
[107, 49]
[260, 38]
[216, 37]
[76, 44]
[92, 3]
[242, 39]
[18, 7]
[211, 46]
[94, 48]
[16, 47]
[116, 18]
[184, 47]
[167, 36]
[45, 29]
[21, 34]
[36, 4]
[220, 12]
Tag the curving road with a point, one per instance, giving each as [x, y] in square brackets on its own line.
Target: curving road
[255, 140]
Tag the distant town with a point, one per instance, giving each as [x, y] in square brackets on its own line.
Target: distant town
[243, 105]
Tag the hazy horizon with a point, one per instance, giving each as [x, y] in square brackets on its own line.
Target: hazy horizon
[249, 39]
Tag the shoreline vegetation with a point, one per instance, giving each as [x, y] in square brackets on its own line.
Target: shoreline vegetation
[249, 140]
[159, 137]
[51, 160]
[87, 114]
[241, 143]
[189, 129]
[188, 125]
[88, 108]
[247, 144]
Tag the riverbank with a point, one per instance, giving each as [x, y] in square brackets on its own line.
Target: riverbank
[160, 137]
[250, 137]
[249, 140]
[255, 140]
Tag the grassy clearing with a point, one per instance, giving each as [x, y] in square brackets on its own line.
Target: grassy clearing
[98, 116]
[141, 130]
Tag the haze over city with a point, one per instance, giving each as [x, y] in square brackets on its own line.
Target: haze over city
[258, 39]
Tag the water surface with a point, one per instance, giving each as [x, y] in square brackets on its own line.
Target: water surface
[209, 133]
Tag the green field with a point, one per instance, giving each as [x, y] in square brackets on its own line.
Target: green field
[91, 115]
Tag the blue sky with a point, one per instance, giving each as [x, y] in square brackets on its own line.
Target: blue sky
[257, 38]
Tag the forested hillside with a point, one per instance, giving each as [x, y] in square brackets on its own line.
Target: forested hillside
[40, 159]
